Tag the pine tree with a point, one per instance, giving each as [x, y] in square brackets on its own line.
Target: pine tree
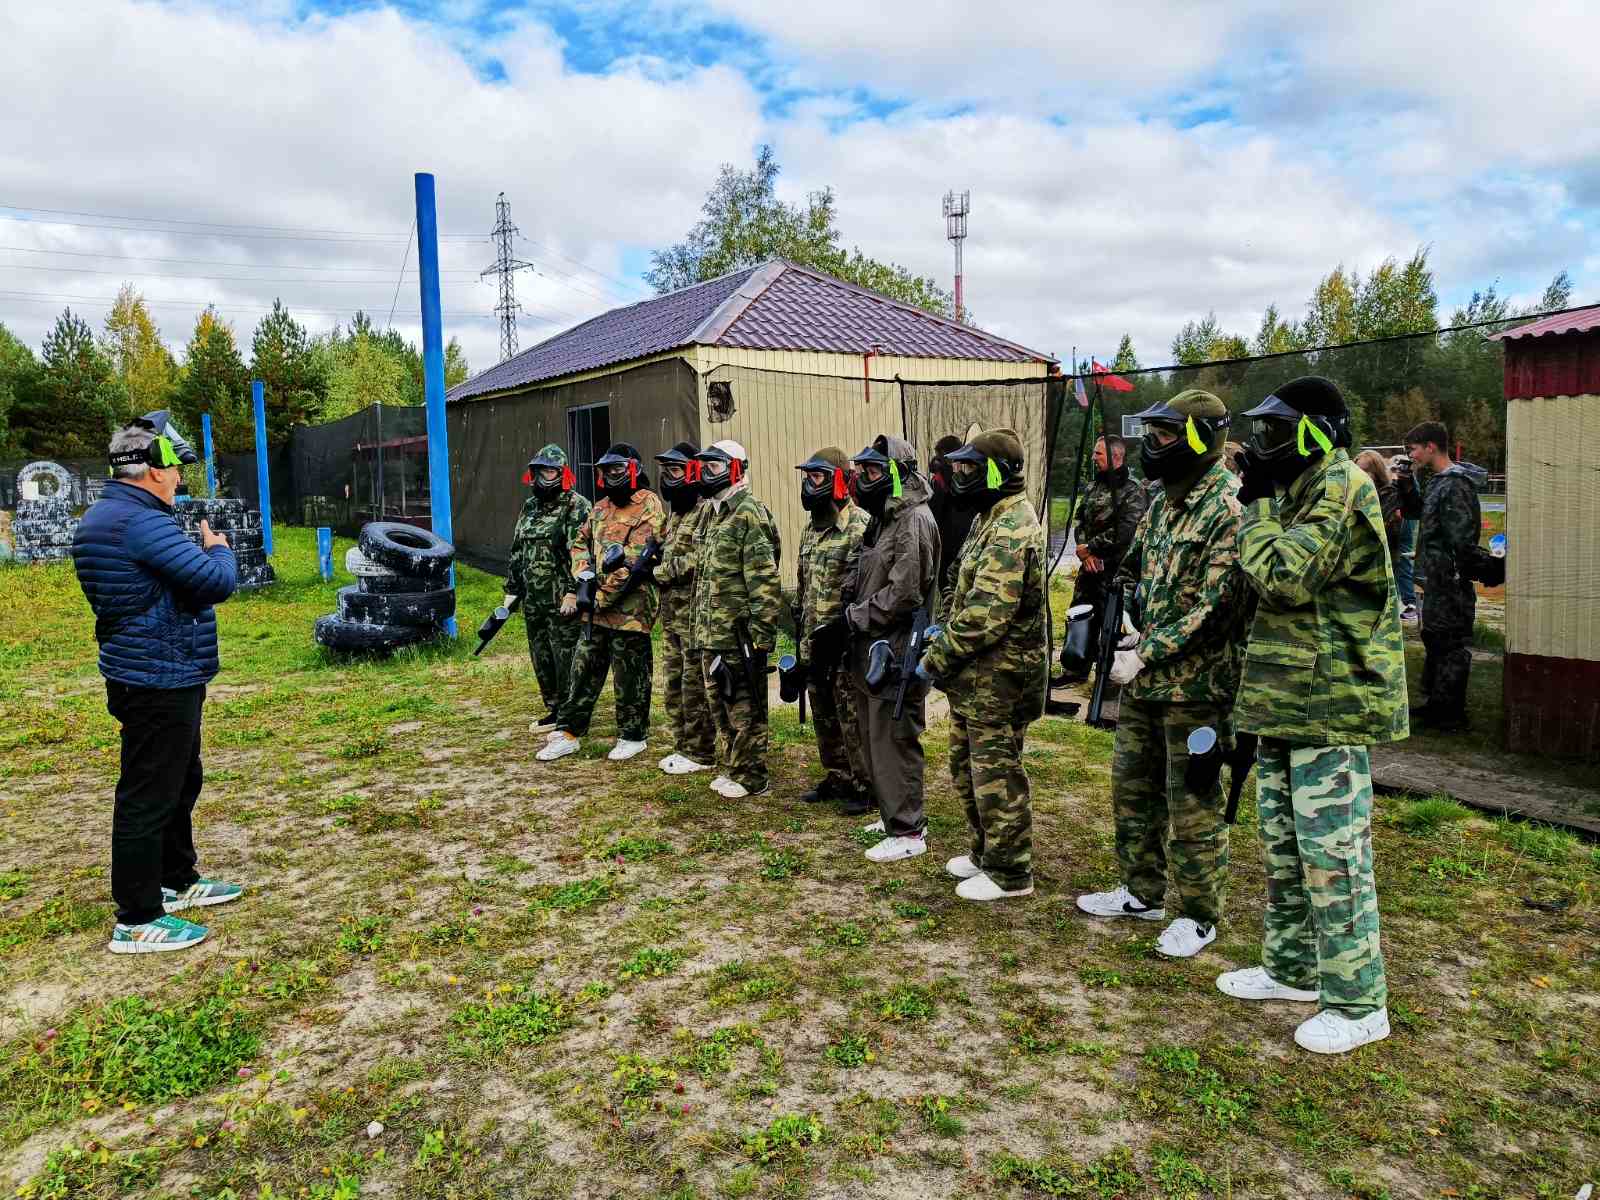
[280, 356]
[73, 401]
[214, 381]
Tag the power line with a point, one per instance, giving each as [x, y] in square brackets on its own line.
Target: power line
[209, 262]
[58, 298]
[400, 278]
[633, 284]
[161, 275]
[71, 212]
[359, 240]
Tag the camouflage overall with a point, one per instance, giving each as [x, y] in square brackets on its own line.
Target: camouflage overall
[540, 571]
[827, 559]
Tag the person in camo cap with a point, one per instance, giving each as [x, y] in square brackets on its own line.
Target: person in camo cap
[694, 733]
[990, 659]
[1179, 673]
[828, 551]
[540, 573]
[1324, 678]
[627, 516]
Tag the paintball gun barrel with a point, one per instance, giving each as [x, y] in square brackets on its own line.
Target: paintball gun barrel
[1207, 758]
[914, 648]
[642, 571]
[492, 623]
[1110, 633]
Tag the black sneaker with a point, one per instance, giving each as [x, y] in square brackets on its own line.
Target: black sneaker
[818, 794]
[858, 805]
[548, 719]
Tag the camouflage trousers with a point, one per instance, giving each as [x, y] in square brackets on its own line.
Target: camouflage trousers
[612, 651]
[1322, 905]
[1159, 821]
[694, 733]
[741, 722]
[838, 729]
[551, 638]
[986, 768]
[1447, 616]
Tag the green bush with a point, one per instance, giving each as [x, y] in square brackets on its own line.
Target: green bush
[1423, 817]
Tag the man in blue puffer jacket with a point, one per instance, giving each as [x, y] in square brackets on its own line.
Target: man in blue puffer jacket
[151, 590]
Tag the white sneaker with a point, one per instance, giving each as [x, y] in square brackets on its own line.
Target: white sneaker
[1253, 983]
[560, 745]
[553, 735]
[1119, 903]
[720, 782]
[963, 867]
[1331, 1033]
[625, 749]
[1185, 938]
[734, 790]
[892, 849]
[677, 764]
[981, 887]
[876, 827]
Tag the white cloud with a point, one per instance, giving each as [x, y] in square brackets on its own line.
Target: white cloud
[180, 111]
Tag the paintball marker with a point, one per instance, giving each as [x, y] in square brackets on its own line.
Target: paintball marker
[643, 570]
[792, 683]
[747, 655]
[1239, 764]
[882, 665]
[1110, 634]
[587, 582]
[1206, 760]
[492, 623]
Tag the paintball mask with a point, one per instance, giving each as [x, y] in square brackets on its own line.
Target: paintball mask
[1299, 423]
[1196, 418]
[978, 479]
[722, 465]
[169, 449]
[879, 478]
[824, 481]
[617, 474]
[680, 476]
[548, 473]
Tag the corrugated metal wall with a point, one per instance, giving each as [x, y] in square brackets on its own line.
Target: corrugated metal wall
[1553, 527]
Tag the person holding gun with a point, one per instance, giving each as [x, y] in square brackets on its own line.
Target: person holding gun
[694, 733]
[738, 601]
[893, 589]
[1109, 512]
[1178, 673]
[1324, 678]
[828, 551]
[991, 658]
[617, 543]
[540, 573]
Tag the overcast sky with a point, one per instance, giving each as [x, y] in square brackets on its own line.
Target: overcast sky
[1132, 165]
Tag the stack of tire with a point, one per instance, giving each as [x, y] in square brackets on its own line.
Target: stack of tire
[43, 529]
[402, 594]
[240, 524]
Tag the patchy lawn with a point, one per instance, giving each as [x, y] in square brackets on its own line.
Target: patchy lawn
[460, 973]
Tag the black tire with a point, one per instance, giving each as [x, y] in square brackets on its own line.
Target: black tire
[389, 584]
[258, 575]
[249, 559]
[358, 637]
[407, 549]
[397, 608]
[243, 539]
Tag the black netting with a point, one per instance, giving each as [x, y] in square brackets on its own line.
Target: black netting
[371, 466]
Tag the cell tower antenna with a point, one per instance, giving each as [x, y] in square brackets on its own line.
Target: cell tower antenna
[506, 266]
[956, 207]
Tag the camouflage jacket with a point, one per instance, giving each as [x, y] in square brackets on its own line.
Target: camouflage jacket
[736, 575]
[1326, 662]
[991, 656]
[827, 560]
[675, 571]
[1451, 522]
[540, 569]
[1185, 559]
[1108, 514]
[630, 527]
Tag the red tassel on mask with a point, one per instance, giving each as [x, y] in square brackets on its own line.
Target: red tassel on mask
[527, 477]
[633, 475]
[691, 470]
[840, 488]
[568, 479]
[734, 473]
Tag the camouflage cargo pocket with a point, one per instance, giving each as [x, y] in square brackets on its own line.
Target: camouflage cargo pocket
[1277, 682]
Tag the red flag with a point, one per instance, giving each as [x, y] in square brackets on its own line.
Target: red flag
[1105, 378]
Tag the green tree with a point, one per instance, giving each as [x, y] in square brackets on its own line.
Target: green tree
[281, 357]
[744, 223]
[364, 371]
[140, 359]
[67, 408]
[1203, 341]
[1277, 336]
[214, 380]
[1126, 359]
[456, 368]
[1401, 414]
[19, 376]
[1481, 437]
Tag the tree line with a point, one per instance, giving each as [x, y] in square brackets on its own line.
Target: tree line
[64, 401]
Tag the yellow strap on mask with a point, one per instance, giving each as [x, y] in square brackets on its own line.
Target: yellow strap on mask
[993, 479]
[1316, 435]
[894, 478]
[1195, 444]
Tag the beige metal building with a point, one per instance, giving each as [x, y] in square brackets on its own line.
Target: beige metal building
[1552, 672]
[780, 358]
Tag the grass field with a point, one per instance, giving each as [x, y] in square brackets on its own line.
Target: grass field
[588, 980]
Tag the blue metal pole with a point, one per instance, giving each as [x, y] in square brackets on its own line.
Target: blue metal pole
[258, 393]
[211, 458]
[433, 367]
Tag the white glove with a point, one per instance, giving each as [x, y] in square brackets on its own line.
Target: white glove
[1125, 664]
[508, 600]
[569, 604]
[1130, 634]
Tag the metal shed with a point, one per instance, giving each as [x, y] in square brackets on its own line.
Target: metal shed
[1552, 672]
[778, 357]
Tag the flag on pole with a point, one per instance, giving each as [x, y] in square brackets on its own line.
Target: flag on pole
[1106, 379]
[1083, 396]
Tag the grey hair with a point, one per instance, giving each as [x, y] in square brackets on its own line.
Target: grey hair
[131, 437]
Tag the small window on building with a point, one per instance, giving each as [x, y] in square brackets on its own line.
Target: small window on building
[719, 401]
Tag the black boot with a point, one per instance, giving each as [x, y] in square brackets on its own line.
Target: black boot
[550, 718]
[857, 803]
[822, 791]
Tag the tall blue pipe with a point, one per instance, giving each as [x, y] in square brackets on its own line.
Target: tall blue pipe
[211, 458]
[433, 367]
[258, 394]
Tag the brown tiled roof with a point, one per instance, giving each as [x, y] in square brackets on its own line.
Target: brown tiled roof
[778, 305]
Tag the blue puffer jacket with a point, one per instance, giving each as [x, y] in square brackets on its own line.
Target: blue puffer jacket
[151, 590]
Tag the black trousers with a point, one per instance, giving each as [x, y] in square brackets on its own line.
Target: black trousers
[152, 836]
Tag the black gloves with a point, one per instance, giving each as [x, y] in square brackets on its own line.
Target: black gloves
[829, 641]
[1255, 477]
